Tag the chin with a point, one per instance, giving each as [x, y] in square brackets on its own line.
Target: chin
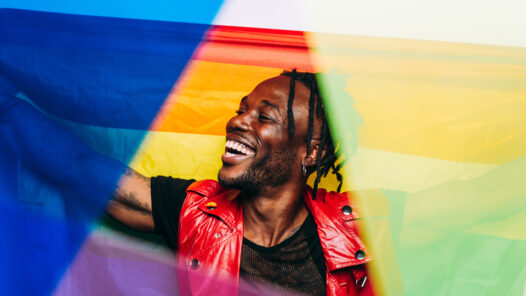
[240, 182]
[229, 173]
[224, 178]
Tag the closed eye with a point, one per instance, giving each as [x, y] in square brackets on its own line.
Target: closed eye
[265, 117]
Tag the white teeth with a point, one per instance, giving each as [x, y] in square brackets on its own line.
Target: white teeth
[239, 147]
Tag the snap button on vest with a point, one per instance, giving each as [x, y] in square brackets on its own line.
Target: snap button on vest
[194, 264]
[359, 255]
[346, 210]
[211, 205]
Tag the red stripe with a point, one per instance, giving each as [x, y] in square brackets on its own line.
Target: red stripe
[256, 47]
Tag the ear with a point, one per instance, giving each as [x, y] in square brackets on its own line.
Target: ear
[310, 159]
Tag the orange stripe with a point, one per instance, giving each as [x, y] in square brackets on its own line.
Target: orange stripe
[207, 95]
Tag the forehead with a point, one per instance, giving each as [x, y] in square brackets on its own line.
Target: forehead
[276, 91]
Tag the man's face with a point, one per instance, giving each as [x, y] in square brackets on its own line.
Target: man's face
[258, 151]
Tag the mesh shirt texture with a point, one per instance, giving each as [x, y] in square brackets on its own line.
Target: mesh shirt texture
[296, 264]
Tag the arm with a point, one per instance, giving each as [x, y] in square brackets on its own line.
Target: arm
[132, 203]
[62, 158]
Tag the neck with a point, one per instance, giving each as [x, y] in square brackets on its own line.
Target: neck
[274, 214]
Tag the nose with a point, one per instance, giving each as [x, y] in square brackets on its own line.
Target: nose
[240, 122]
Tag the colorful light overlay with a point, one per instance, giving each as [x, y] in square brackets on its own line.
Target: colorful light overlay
[433, 133]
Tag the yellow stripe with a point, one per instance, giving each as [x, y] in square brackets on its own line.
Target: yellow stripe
[449, 101]
[179, 155]
[194, 156]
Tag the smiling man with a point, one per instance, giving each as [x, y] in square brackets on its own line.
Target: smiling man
[260, 223]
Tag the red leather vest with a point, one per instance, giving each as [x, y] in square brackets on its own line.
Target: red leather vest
[211, 237]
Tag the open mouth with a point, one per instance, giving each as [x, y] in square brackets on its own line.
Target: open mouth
[235, 147]
[235, 151]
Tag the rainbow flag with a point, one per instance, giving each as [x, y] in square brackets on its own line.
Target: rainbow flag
[432, 128]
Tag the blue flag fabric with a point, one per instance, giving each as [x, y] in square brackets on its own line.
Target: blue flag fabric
[82, 71]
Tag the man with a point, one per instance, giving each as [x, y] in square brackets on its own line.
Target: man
[261, 223]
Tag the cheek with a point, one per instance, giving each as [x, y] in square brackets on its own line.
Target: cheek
[273, 136]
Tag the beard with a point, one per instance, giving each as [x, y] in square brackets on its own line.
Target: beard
[273, 170]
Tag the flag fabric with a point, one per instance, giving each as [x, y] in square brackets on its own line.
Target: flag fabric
[433, 134]
[443, 140]
[67, 65]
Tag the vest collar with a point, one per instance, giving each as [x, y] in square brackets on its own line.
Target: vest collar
[224, 206]
[338, 236]
[342, 247]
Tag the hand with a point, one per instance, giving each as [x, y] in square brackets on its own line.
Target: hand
[8, 92]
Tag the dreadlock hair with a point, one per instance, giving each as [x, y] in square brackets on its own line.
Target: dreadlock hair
[316, 109]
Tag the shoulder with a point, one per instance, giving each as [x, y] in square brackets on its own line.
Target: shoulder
[206, 188]
[169, 183]
[361, 203]
[325, 196]
[334, 204]
[331, 198]
[208, 198]
[202, 190]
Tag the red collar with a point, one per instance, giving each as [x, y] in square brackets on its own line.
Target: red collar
[338, 234]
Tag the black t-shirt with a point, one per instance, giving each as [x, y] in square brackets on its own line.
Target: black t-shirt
[168, 196]
[296, 264]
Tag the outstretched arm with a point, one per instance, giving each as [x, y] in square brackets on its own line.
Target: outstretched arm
[62, 158]
[132, 203]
